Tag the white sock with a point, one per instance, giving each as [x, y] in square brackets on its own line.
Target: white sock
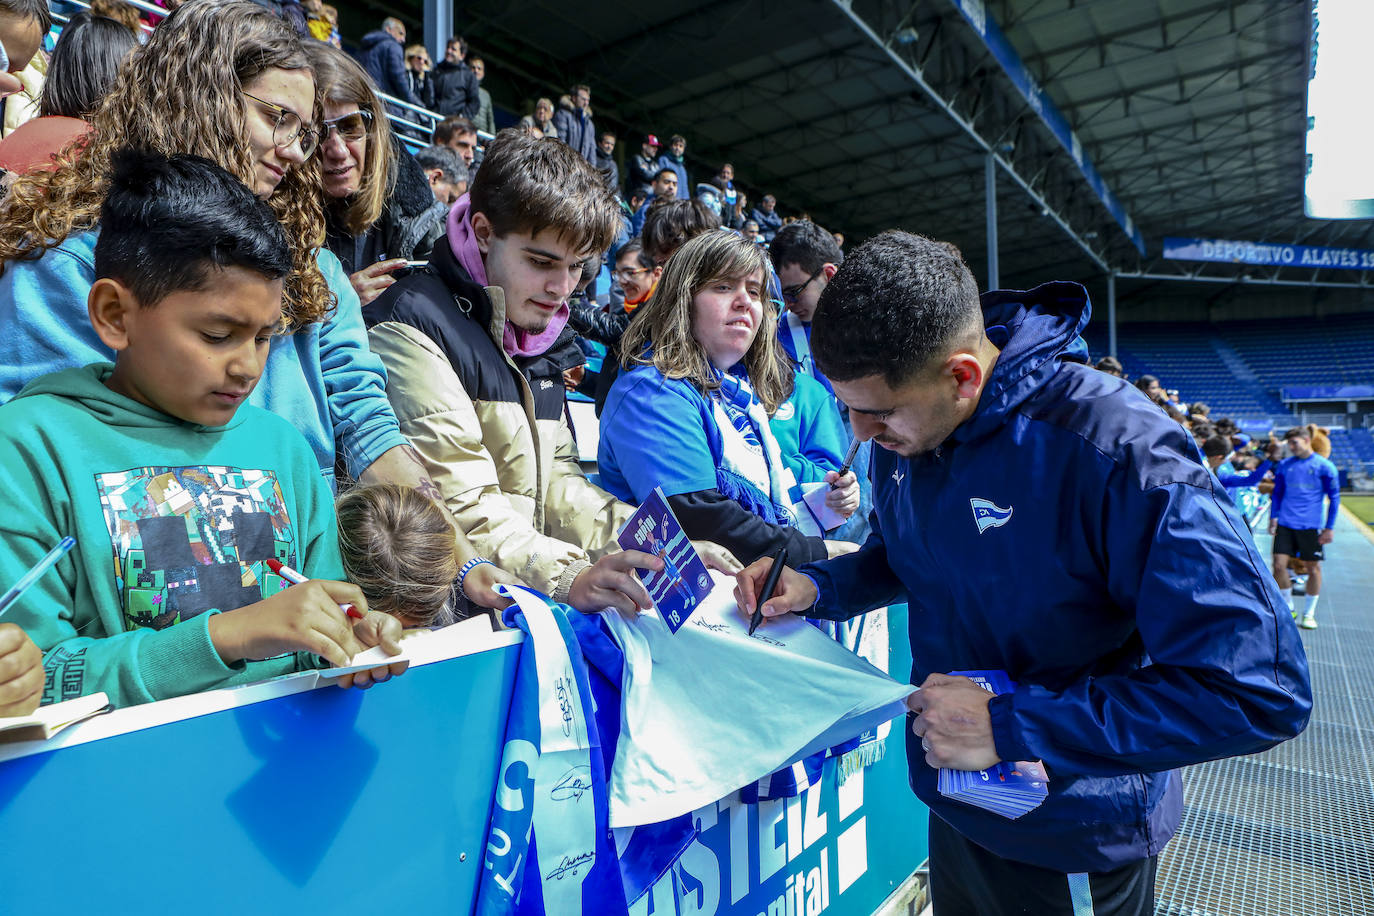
[1312, 605]
[1287, 594]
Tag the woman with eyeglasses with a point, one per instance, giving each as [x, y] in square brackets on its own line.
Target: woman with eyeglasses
[230, 82]
[379, 209]
[703, 374]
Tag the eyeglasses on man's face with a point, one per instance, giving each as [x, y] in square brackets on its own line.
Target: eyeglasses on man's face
[628, 273]
[289, 128]
[791, 293]
[352, 126]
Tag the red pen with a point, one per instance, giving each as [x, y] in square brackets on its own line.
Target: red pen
[295, 578]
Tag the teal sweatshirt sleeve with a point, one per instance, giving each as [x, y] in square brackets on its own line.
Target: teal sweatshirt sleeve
[354, 379]
[43, 312]
[809, 431]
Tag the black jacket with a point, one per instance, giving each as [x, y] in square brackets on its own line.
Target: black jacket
[422, 84]
[455, 89]
[383, 58]
[453, 311]
[606, 165]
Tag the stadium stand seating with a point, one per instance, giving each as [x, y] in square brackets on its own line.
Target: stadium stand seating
[1241, 368]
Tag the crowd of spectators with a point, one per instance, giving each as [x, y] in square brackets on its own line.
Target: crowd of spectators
[182, 172]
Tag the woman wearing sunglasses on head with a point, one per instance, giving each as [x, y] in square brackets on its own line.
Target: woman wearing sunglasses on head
[379, 209]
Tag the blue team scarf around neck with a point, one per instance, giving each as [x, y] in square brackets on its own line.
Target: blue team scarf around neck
[744, 432]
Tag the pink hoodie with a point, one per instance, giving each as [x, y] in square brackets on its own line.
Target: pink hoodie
[463, 241]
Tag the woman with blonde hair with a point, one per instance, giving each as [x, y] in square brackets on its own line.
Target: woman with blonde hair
[230, 82]
[703, 373]
[379, 209]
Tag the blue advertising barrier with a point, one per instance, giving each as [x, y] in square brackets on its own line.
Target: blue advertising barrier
[324, 800]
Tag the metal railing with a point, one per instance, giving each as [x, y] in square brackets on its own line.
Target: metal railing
[431, 117]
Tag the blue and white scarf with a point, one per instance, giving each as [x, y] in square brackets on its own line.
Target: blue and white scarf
[549, 847]
[751, 470]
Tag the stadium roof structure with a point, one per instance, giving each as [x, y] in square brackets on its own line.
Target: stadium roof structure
[1189, 115]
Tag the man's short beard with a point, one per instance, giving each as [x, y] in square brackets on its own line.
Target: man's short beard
[541, 327]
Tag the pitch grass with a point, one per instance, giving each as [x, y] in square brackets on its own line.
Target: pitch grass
[1362, 506]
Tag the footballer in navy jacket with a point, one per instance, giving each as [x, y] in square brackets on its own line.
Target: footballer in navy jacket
[1067, 533]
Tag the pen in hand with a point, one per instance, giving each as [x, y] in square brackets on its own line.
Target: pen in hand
[770, 585]
[295, 578]
[848, 462]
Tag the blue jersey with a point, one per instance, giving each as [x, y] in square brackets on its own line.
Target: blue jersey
[1300, 484]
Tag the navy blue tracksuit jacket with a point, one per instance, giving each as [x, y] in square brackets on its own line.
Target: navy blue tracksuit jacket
[1068, 534]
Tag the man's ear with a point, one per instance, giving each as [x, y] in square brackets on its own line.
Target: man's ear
[967, 372]
[482, 232]
[434, 175]
[828, 271]
[110, 304]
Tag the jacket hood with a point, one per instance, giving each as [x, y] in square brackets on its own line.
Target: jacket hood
[471, 297]
[1036, 330]
[374, 38]
[411, 194]
[85, 387]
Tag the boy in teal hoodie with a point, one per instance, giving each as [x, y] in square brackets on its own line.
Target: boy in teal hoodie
[176, 491]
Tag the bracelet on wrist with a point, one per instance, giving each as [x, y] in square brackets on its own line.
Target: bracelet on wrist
[468, 567]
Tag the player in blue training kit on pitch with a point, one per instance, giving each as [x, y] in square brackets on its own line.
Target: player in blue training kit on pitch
[1301, 481]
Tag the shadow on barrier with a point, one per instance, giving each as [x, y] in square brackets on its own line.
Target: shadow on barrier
[315, 766]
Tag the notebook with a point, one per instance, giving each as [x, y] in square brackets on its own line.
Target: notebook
[47, 721]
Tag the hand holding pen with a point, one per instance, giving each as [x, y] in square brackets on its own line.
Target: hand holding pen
[295, 578]
[770, 585]
[793, 592]
[843, 496]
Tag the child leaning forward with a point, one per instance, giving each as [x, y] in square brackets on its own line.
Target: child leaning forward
[176, 491]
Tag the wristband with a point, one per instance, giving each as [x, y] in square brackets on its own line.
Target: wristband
[468, 567]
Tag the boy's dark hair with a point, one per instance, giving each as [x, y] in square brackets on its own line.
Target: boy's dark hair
[1112, 365]
[529, 185]
[670, 224]
[1298, 431]
[1145, 381]
[83, 65]
[1217, 447]
[168, 222]
[29, 9]
[659, 173]
[805, 244]
[898, 302]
